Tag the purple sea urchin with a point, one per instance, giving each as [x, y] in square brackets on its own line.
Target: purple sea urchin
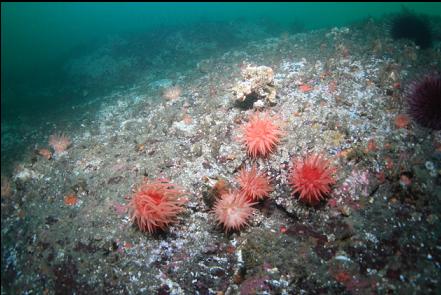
[425, 102]
[408, 25]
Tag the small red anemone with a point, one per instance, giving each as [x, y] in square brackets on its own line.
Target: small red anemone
[311, 178]
[155, 205]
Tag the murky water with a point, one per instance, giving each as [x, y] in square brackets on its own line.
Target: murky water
[135, 158]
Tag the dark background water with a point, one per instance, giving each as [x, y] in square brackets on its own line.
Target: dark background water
[38, 40]
[38, 37]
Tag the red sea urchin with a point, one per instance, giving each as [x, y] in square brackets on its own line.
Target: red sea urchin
[311, 178]
[233, 210]
[155, 205]
[424, 102]
[261, 134]
[253, 185]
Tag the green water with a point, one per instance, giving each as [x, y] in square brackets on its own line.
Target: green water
[36, 37]
[41, 42]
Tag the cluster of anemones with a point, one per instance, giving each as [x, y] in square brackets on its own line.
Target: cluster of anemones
[235, 207]
[310, 177]
[155, 204]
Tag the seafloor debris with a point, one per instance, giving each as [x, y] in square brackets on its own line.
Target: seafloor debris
[257, 84]
[336, 94]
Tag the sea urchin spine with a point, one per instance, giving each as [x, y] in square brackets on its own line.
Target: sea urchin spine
[424, 102]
